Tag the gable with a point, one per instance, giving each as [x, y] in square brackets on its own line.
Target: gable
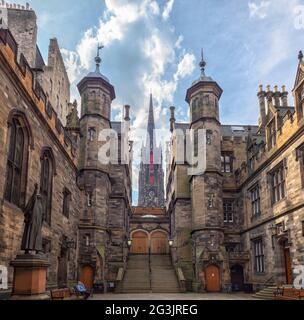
[300, 75]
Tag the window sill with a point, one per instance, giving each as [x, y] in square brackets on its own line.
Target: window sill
[278, 202]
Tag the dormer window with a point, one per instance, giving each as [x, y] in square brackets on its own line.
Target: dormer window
[301, 101]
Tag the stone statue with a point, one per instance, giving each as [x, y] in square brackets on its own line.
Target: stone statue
[32, 237]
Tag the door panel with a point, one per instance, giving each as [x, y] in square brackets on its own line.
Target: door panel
[159, 243]
[212, 279]
[140, 243]
[87, 276]
[288, 267]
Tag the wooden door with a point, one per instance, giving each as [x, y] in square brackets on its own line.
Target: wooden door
[212, 274]
[159, 243]
[237, 278]
[288, 266]
[87, 276]
[140, 243]
[62, 270]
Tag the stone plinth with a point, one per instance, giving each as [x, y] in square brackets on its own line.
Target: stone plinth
[30, 277]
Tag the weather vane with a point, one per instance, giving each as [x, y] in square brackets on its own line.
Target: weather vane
[203, 63]
[98, 59]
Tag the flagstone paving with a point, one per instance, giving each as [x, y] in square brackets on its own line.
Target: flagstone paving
[179, 296]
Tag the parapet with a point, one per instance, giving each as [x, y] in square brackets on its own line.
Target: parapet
[22, 70]
[4, 4]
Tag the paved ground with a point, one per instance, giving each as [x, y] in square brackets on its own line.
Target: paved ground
[178, 296]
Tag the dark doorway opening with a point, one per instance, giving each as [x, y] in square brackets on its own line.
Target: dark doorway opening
[237, 278]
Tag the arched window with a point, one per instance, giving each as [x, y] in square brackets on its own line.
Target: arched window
[46, 182]
[17, 160]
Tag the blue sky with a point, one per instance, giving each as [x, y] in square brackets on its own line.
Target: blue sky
[154, 45]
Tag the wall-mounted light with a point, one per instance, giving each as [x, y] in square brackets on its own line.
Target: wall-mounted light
[171, 242]
[129, 242]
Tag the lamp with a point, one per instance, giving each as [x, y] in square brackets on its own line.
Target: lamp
[129, 242]
[171, 241]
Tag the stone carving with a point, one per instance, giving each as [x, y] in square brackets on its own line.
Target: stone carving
[32, 238]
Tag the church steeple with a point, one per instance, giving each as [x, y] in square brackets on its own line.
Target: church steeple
[151, 125]
[151, 175]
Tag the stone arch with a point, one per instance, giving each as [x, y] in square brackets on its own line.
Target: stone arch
[17, 113]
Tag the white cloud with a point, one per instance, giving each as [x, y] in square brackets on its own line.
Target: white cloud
[260, 10]
[185, 67]
[167, 10]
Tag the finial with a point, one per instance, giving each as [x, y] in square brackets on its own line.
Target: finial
[98, 59]
[203, 64]
[300, 56]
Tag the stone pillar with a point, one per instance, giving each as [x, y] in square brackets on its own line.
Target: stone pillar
[30, 277]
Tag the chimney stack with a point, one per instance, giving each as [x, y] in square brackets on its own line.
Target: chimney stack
[284, 97]
[262, 96]
[172, 118]
[127, 113]
[277, 96]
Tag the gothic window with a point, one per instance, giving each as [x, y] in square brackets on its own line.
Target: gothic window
[87, 239]
[92, 134]
[227, 162]
[255, 200]
[46, 183]
[277, 181]
[17, 159]
[228, 210]
[272, 135]
[66, 202]
[259, 259]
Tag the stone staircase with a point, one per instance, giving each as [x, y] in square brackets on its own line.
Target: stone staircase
[146, 274]
[266, 294]
[163, 276]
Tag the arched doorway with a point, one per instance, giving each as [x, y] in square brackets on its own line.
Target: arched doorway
[159, 243]
[212, 274]
[140, 243]
[237, 277]
[287, 262]
[87, 276]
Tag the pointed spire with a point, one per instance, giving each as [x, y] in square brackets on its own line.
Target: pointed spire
[98, 59]
[151, 112]
[203, 64]
[300, 56]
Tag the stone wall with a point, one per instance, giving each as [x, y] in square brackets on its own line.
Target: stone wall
[13, 96]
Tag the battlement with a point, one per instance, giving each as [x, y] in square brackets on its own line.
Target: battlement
[9, 50]
[4, 4]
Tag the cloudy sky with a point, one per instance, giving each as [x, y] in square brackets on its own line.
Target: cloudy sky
[155, 45]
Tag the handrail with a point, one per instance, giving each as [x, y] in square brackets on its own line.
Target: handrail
[181, 279]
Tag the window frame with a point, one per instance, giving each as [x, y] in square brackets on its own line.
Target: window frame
[228, 214]
[17, 162]
[66, 203]
[255, 200]
[226, 164]
[259, 255]
[277, 178]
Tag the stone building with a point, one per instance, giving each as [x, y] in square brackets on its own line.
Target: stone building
[242, 219]
[86, 201]
[237, 220]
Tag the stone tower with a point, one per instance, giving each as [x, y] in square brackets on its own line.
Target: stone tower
[22, 23]
[96, 96]
[151, 175]
[207, 207]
